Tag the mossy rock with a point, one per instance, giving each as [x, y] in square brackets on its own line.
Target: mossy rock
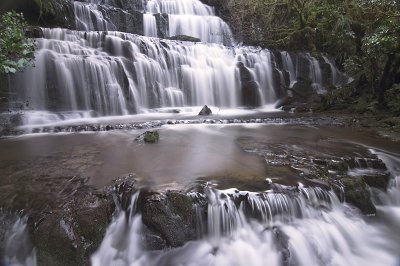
[184, 38]
[358, 194]
[151, 136]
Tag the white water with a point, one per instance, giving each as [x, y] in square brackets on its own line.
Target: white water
[308, 226]
[289, 66]
[18, 250]
[89, 17]
[315, 76]
[149, 25]
[192, 18]
[189, 7]
[97, 74]
[335, 73]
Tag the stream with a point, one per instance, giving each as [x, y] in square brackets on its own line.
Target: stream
[291, 221]
[248, 184]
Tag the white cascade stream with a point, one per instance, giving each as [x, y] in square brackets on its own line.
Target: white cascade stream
[99, 71]
[86, 74]
[18, 249]
[309, 227]
[192, 18]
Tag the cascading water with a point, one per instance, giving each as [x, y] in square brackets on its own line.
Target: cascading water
[302, 226]
[316, 76]
[289, 67]
[88, 17]
[18, 249]
[193, 18]
[97, 72]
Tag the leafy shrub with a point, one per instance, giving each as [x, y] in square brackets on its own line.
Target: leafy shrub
[16, 50]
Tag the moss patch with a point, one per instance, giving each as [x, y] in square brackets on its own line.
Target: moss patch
[151, 136]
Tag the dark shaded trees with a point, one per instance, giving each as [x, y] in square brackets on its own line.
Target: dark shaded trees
[362, 35]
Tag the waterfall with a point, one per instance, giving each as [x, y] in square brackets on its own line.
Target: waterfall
[316, 76]
[388, 204]
[97, 70]
[18, 249]
[192, 18]
[89, 17]
[305, 226]
[289, 67]
[149, 25]
[121, 244]
[334, 71]
[188, 7]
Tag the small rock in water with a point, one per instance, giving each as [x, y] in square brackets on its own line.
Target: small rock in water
[151, 136]
[205, 111]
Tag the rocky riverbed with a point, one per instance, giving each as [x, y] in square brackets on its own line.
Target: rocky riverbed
[66, 185]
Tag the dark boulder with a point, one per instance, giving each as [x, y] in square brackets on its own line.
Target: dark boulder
[34, 32]
[326, 72]
[302, 90]
[303, 67]
[205, 110]
[184, 38]
[170, 215]
[357, 193]
[377, 180]
[251, 96]
[284, 103]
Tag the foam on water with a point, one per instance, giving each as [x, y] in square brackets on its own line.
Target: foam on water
[310, 227]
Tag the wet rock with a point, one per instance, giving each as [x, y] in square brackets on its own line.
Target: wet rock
[329, 165]
[205, 111]
[282, 243]
[302, 90]
[148, 136]
[326, 74]
[131, 22]
[184, 38]
[170, 215]
[284, 103]
[34, 32]
[122, 190]
[377, 180]
[357, 193]
[152, 240]
[70, 235]
[151, 136]
[162, 25]
[251, 95]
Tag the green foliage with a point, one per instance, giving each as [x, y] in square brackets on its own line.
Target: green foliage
[362, 35]
[340, 99]
[392, 97]
[16, 50]
[151, 136]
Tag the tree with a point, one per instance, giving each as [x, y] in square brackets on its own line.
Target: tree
[16, 50]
